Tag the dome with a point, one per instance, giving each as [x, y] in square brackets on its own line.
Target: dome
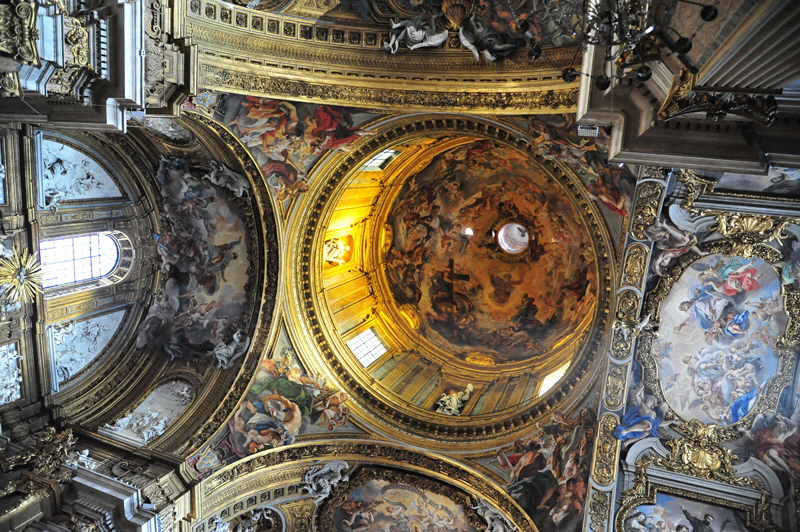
[488, 255]
[462, 275]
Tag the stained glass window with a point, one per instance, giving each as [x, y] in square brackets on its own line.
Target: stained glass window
[77, 258]
[367, 347]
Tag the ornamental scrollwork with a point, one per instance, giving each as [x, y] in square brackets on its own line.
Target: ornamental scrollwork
[746, 232]
[686, 97]
[616, 381]
[622, 335]
[18, 33]
[215, 77]
[9, 85]
[606, 450]
[599, 510]
[695, 187]
[634, 268]
[646, 207]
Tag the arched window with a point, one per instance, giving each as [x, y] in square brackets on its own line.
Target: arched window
[77, 258]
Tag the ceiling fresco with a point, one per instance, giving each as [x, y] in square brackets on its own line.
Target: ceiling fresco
[377, 278]
[446, 259]
[283, 402]
[206, 258]
[285, 138]
[379, 504]
[547, 473]
[734, 306]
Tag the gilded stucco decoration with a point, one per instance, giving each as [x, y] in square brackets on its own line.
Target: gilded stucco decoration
[229, 79]
[615, 385]
[19, 34]
[599, 510]
[634, 269]
[606, 450]
[749, 232]
[625, 328]
[646, 207]
[697, 454]
[39, 464]
[695, 187]
[685, 97]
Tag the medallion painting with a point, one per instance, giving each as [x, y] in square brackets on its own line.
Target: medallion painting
[677, 514]
[717, 341]
[205, 256]
[548, 473]
[491, 254]
[283, 401]
[380, 506]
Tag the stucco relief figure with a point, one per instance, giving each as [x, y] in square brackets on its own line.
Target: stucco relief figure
[119, 424]
[478, 39]
[451, 402]
[228, 353]
[416, 33]
[495, 521]
[222, 176]
[643, 416]
[334, 251]
[672, 243]
[319, 481]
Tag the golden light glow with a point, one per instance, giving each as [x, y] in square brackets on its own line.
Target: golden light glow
[20, 277]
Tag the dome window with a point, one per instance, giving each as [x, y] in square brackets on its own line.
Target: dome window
[78, 258]
[367, 347]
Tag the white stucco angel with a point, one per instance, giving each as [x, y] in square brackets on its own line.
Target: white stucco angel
[222, 176]
[451, 402]
[495, 521]
[227, 354]
[415, 33]
[319, 481]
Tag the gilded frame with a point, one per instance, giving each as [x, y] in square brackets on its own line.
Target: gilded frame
[767, 401]
[645, 491]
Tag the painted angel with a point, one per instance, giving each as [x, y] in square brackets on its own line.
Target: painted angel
[642, 417]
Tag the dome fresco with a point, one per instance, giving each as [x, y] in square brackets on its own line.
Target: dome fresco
[446, 261]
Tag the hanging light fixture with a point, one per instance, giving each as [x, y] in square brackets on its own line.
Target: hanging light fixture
[621, 26]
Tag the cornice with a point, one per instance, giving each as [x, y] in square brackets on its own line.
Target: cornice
[242, 49]
[266, 82]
